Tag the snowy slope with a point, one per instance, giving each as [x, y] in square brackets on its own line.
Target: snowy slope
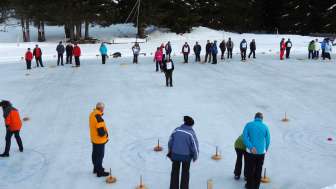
[221, 98]
[266, 44]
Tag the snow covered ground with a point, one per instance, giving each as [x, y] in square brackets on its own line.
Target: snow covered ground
[140, 109]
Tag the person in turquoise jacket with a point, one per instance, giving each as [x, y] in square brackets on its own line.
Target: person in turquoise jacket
[256, 137]
[103, 52]
[240, 149]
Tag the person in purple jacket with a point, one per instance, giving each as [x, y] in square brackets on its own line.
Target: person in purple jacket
[183, 147]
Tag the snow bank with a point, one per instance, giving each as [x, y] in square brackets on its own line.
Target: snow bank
[330, 187]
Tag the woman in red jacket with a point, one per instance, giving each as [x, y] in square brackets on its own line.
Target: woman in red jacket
[29, 58]
[13, 126]
[77, 54]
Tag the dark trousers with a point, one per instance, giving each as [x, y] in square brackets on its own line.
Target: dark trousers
[9, 135]
[175, 175]
[60, 59]
[169, 78]
[252, 52]
[103, 58]
[254, 169]
[207, 55]
[28, 62]
[323, 54]
[168, 55]
[77, 61]
[39, 61]
[310, 54]
[135, 58]
[229, 53]
[326, 55]
[214, 58]
[222, 55]
[239, 162]
[185, 56]
[158, 65]
[98, 151]
[288, 52]
[69, 58]
[198, 57]
[317, 54]
[243, 54]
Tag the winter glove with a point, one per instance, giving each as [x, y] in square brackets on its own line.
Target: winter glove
[169, 155]
[101, 132]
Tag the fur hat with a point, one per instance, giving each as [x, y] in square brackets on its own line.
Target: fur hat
[5, 103]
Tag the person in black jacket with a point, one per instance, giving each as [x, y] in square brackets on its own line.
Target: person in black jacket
[185, 52]
[168, 68]
[253, 48]
[68, 50]
[60, 51]
[229, 47]
[288, 47]
[222, 47]
[243, 48]
[197, 51]
[208, 52]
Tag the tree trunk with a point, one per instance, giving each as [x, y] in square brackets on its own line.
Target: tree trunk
[24, 35]
[72, 32]
[40, 31]
[43, 32]
[141, 31]
[86, 29]
[78, 31]
[27, 30]
[67, 30]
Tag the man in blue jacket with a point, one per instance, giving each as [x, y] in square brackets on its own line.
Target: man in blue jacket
[183, 147]
[214, 52]
[103, 52]
[256, 137]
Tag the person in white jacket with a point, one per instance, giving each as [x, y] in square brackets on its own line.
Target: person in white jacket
[328, 50]
[317, 49]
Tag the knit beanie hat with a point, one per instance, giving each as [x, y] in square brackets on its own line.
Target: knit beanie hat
[188, 121]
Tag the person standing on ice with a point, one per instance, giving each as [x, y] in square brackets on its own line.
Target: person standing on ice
[288, 48]
[103, 52]
[158, 57]
[186, 51]
[37, 52]
[182, 149]
[99, 137]
[253, 48]
[136, 52]
[197, 51]
[243, 49]
[28, 58]
[256, 137]
[77, 53]
[68, 50]
[229, 46]
[168, 68]
[240, 149]
[168, 49]
[328, 50]
[323, 44]
[208, 52]
[60, 51]
[222, 47]
[214, 52]
[282, 48]
[317, 49]
[311, 48]
[13, 126]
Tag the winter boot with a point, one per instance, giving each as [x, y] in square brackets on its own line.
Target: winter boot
[102, 174]
[4, 155]
[236, 177]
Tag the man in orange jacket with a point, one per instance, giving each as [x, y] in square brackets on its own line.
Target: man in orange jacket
[99, 137]
[13, 126]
